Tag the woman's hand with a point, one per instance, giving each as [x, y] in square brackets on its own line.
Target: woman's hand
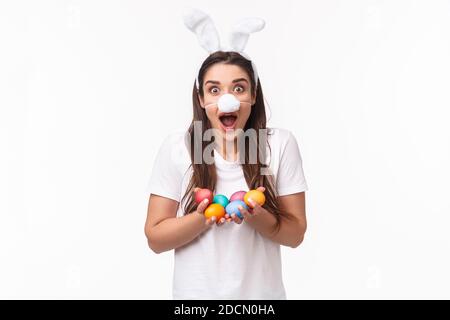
[201, 210]
[249, 214]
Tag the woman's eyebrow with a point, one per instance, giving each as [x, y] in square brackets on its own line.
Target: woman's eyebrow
[212, 81]
[234, 81]
[240, 79]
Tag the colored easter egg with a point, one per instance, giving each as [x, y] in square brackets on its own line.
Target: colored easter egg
[238, 195]
[256, 196]
[232, 207]
[203, 194]
[214, 210]
[221, 199]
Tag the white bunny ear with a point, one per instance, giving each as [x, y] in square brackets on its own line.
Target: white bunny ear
[241, 31]
[202, 25]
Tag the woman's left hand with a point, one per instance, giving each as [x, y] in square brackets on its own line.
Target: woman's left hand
[248, 214]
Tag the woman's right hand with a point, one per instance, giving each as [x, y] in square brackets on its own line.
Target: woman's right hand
[201, 210]
[245, 213]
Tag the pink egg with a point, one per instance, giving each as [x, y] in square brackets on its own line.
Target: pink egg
[238, 195]
[203, 194]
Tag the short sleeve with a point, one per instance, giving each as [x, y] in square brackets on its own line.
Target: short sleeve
[166, 177]
[290, 176]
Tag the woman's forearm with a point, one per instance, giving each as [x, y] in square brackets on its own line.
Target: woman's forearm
[290, 232]
[175, 232]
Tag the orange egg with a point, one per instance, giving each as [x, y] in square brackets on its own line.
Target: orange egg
[256, 196]
[215, 210]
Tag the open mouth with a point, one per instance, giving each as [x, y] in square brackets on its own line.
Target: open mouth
[228, 120]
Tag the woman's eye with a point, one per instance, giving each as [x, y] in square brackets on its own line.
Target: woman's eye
[214, 90]
[239, 89]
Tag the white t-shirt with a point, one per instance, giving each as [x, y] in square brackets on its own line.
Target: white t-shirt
[231, 261]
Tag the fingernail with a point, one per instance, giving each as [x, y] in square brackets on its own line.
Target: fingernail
[205, 201]
[213, 219]
[233, 215]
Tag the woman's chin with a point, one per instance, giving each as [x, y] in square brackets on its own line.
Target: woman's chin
[228, 134]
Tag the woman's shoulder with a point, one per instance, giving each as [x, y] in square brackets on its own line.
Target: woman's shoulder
[175, 136]
[279, 136]
[176, 140]
[279, 132]
[174, 146]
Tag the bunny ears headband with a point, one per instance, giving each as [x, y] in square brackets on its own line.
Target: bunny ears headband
[203, 26]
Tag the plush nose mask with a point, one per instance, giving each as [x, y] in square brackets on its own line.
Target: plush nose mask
[227, 103]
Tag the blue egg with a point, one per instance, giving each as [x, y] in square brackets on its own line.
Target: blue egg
[221, 199]
[232, 207]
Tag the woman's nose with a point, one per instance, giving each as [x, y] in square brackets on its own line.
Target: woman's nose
[228, 103]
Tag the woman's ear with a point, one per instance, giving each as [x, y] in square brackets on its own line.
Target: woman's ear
[200, 99]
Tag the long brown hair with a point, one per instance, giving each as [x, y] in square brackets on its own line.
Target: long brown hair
[204, 175]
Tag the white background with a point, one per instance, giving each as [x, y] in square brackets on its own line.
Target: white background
[88, 90]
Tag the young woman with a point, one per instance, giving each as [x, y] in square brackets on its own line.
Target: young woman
[231, 258]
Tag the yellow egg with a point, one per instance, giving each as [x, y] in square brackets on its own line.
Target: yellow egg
[256, 196]
[214, 210]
